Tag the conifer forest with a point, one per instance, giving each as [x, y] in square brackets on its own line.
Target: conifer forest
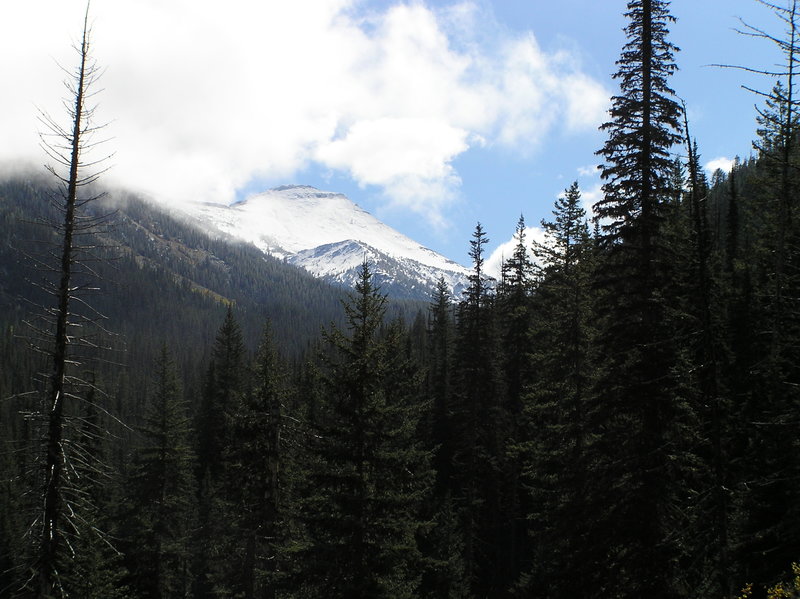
[616, 417]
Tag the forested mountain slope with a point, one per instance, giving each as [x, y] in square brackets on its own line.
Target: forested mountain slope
[163, 279]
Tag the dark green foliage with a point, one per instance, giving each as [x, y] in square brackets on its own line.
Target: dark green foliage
[225, 386]
[513, 297]
[161, 491]
[442, 545]
[513, 308]
[641, 407]
[763, 267]
[254, 505]
[555, 439]
[368, 474]
[478, 447]
[757, 456]
[701, 258]
[644, 126]
[442, 542]
[440, 339]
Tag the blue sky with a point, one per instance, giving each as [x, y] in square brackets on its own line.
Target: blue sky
[431, 115]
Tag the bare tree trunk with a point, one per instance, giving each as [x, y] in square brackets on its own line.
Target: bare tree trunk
[66, 151]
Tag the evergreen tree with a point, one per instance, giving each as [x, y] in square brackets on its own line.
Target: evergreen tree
[224, 385]
[439, 385]
[475, 416]
[368, 474]
[162, 501]
[225, 382]
[555, 422]
[640, 407]
[513, 317]
[514, 308]
[254, 468]
[441, 543]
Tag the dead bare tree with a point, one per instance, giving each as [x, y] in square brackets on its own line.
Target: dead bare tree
[66, 331]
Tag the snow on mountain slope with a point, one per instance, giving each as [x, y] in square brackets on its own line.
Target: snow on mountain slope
[330, 236]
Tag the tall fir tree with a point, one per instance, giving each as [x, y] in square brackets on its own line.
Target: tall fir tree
[513, 306]
[513, 317]
[441, 542]
[641, 410]
[162, 492]
[478, 441]
[440, 339]
[225, 382]
[369, 474]
[555, 439]
[252, 507]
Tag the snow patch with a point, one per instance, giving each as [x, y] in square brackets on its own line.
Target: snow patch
[327, 234]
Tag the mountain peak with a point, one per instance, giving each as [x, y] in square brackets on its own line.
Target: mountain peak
[292, 186]
[303, 191]
[327, 234]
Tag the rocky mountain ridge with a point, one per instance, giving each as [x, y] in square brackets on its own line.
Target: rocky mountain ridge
[328, 235]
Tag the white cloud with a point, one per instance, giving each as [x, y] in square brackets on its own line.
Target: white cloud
[722, 163]
[587, 102]
[494, 263]
[204, 99]
[589, 197]
[590, 170]
[407, 157]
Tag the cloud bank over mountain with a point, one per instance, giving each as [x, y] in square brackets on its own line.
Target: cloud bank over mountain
[204, 99]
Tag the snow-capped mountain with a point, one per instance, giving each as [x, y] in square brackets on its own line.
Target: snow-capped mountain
[330, 236]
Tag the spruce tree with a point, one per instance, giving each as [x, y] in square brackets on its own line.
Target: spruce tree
[162, 509]
[252, 508]
[225, 382]
[640, 406]
[441, 542]
[475, 410]
[555, 433]
[440, 333]
[513, 304]
[513, 317]
[368, 473]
